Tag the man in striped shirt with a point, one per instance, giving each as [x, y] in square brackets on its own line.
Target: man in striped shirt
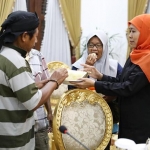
[19, 95]
[40, 72]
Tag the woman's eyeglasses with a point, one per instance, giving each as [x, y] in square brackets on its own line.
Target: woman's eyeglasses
[98, 46]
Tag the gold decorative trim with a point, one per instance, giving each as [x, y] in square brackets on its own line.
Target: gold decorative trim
[80, 95]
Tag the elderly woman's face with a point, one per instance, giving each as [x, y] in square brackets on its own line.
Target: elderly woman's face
[133, 36]
[95, 46]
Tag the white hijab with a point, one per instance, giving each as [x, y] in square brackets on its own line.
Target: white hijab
[104, 65]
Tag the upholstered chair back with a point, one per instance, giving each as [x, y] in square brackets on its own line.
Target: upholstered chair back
[87, 117]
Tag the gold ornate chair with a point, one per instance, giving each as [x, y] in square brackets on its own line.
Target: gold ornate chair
[55, 97]
[87, 117]
[52, 66]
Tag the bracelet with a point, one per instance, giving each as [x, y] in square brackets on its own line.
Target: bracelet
[55, 82]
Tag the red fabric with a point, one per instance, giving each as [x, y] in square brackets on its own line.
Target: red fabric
[141, 54]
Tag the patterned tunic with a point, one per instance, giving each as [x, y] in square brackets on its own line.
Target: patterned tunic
[40, 72]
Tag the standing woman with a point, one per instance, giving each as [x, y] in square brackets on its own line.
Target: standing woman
[133, 86]
[96, 54]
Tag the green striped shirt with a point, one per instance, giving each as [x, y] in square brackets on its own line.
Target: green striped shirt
[18, 96]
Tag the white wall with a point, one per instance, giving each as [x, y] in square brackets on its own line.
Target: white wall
[110, 16]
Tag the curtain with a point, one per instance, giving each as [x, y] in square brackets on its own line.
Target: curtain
[55, 44]
[71, 10]
[20, 5]
[6, 7]
[135, 7]
[148, 7]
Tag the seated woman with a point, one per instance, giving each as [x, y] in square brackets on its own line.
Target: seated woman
[96, 54]
[97, 44]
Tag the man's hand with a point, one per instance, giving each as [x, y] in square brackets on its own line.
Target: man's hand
[59, 75]
[50, 119]
[41, 84]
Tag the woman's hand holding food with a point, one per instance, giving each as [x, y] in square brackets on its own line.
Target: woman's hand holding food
[91, 59]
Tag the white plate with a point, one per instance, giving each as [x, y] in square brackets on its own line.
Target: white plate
[68, 82]
[75, 75]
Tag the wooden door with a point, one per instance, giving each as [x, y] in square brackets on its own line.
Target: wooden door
[38, 6]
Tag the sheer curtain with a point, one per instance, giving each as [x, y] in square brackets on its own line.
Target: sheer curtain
[55, 44]
[20, 5]
[148, 7]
